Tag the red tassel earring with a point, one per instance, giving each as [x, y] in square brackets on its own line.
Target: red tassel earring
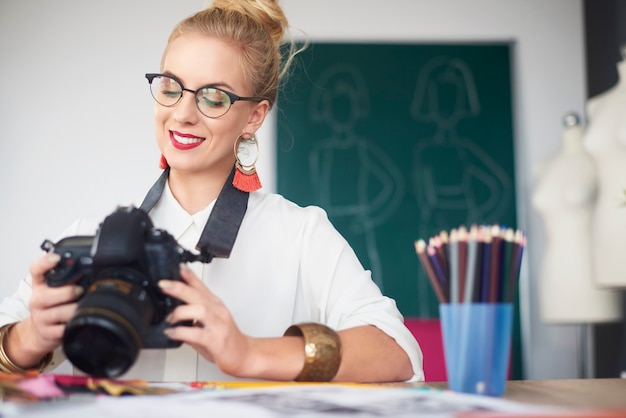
[163, 163]
[246, 153]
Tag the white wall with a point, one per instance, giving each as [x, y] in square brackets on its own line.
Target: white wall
[76, 113]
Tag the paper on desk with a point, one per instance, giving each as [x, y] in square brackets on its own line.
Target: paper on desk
[285, 401]
[42, 386]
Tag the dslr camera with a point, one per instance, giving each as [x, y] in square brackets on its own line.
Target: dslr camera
[122, 309]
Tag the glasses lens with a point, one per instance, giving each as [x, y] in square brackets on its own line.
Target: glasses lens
[165, 90]
[213, 102]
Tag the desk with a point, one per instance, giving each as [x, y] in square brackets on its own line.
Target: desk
[604, 398]
[586, 393]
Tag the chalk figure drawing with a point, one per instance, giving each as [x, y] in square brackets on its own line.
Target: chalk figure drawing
[471, 186]
[340, 102]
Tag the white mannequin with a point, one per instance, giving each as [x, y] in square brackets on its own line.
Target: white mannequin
[565, 195]
[606, 141]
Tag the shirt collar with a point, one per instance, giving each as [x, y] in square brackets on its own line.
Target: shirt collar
[169, 215]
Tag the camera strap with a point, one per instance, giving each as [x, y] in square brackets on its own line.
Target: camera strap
[219, 233]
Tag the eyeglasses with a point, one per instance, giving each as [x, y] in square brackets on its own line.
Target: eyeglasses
[211, 101]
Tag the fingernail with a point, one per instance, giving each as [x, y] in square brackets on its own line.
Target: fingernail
[164, 284]
[168, 331]
[184, 266]
[168, 318]
[53, 257]
[78, 290]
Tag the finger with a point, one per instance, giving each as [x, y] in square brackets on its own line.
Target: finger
[188, 335]
[46, 297]
[195, 313]
[45, 338]
[191, 290]
[189, 276]
[179, 290]
[57, 315]
[41, 265]
[52, 333]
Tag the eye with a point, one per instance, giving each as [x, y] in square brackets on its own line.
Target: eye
[213, 98]
[170, 93]
[169, 87]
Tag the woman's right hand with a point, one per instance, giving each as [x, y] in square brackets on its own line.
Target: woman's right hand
[50, 308]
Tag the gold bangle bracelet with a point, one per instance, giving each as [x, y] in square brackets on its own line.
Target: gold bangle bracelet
[322, 351]
[7, 365]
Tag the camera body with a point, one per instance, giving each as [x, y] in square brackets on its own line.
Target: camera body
[122, 308]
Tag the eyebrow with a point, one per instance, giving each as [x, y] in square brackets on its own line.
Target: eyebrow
[219, 84]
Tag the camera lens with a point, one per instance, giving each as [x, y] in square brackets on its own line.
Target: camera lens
[104, 336]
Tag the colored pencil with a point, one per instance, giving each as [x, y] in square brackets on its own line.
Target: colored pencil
[478, 273]
[507, 257]
[479, 265]
[444, 239]
[470, 270]
[520, 241]
[420, 249]
[486, 268]
[453, 251]
[494, 268]
[435, 242]
[462, 250]
[438, 269]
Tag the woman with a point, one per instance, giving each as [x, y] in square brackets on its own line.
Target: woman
[288, 269]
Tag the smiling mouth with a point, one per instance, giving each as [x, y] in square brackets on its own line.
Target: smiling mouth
[186, 140]
[183, 142]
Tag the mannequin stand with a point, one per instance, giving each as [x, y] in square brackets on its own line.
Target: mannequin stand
[586, 355]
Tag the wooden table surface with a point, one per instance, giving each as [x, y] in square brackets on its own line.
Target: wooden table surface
[586, 393]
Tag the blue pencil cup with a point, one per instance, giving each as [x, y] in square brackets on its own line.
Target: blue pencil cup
[477, 342]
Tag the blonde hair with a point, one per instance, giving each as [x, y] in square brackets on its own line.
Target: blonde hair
[257, 29]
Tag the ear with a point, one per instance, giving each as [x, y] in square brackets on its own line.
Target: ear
[257, 116]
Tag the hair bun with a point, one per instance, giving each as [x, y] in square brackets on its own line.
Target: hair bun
[266, 13]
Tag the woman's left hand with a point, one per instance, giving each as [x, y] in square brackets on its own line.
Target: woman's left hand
[214, 334]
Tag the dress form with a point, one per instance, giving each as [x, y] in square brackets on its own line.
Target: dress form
[605, 140]
[564, 196]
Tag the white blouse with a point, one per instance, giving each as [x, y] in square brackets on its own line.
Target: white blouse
[288, 265]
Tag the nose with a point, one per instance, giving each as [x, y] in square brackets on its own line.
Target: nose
[186, 110]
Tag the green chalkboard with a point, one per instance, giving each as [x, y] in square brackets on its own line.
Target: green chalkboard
[399, 142]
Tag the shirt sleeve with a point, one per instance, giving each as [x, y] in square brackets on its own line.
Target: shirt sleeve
[348, 296]
[15, 307]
